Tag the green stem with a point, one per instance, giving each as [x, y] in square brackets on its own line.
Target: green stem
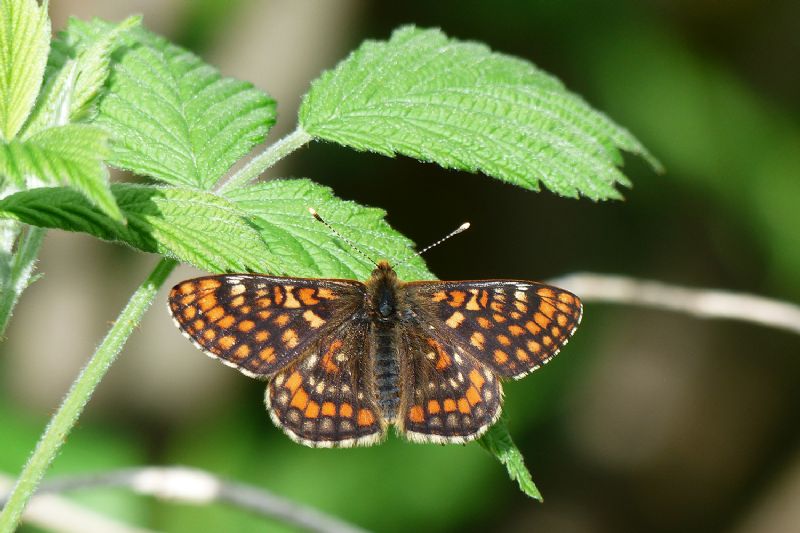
[267, 158]
[82, 388]
[19, 275]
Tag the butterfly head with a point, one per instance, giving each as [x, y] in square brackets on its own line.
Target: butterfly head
[382, 291]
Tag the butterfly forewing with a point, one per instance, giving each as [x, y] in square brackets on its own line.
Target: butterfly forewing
[260, 324]
[325, 398]
[513, 327]
[448, 396]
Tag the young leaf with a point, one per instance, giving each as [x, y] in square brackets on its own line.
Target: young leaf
[303, 246]
[76, 71]
[194, 226]
[72, 155]
[497, 441]
[24, 41]
[462, 106]
[176, 119]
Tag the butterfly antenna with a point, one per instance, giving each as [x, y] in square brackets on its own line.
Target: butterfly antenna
[462, 227]
[342, 237]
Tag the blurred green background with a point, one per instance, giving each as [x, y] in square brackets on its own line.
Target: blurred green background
[649, 421]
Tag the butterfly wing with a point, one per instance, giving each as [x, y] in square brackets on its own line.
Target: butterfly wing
[512, 327]
[260, 324]
[326, 398]
[448, 396]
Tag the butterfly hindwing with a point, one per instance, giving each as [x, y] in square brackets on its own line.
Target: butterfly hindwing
[513, 327]
[260, 324]
[325, 398]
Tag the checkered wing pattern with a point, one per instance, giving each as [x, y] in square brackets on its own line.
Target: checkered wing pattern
[448, 397]
[512, 327]
[260, 324]
[325, 398]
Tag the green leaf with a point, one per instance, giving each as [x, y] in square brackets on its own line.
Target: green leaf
[302, 246]
[176, 119]
[77, 69]
[497, 441]
[24, 42]
[193, 226]
[462, 106]
[72, 155]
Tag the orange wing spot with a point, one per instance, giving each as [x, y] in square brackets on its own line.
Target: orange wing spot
[547, 308]
[186, 300]
[502, 339]
[463, 406]
[242, 351]
[458, 298]
[365, 417]
[207, 302]
[449, 405]
[472, 304]
[209, 284]
[264, 302]
[521, 307]
[199, 324]
[522, 355]
[455, 319]
[278, 295]
[540, 319]
[313, 319]
[473, 396]
[547, 341]
[190, 312]
[564, 308]
[260, 293]
[209, 334]
[562, 319]
[237, 289]
[263, 315]
[544, 292]
[328, 409]
[476, 379]
[293, 382]
[236, 302]
[282, 320]
[246, 325]
[306, 295]
[516, 315]
[291, 302]
[500, 356]
[416, 414]
[444, 359]
[289, 338]
[186, 288]
[532, 327]
[226, 321]
[267, 354]
[556, 332]
[439, 296]
[346, 410]
[433, 407]
[226, 342]
[327, 359]
[499, 318]
[312, 411]
[215, 350]
[300, 399]
[484, 322]
[566, 298]
[484, 298]
[496, 306]
[327, 294]
[534, 346]
[515, 330]
[215, 314]
[477, 339]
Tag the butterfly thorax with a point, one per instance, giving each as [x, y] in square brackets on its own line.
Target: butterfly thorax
[382, 293]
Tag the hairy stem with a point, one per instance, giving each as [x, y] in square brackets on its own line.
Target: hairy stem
[82, 388]
[20, 268]
[267, 158]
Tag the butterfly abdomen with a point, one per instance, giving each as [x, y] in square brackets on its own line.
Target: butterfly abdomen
[387, 371]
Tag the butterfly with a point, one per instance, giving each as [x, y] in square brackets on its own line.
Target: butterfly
[346, 359]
